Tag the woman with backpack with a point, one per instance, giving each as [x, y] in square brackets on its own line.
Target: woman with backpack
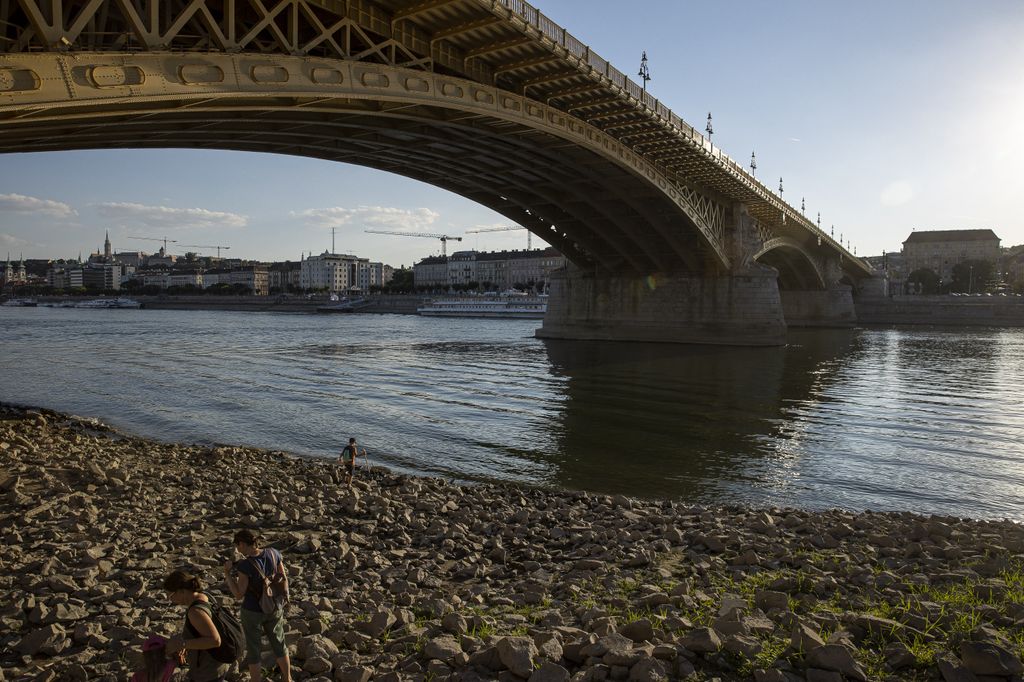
[199, 634]
[260, 615]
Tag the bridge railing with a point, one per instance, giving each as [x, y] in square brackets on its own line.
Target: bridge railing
[576, 47]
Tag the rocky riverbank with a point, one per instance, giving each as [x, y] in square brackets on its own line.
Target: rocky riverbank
[407, 578]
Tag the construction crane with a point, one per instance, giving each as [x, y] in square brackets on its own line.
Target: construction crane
[206, 246]
[443, 237]
[157, 239]
[507, 228]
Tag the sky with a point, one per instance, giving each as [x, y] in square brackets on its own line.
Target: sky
[885, 117]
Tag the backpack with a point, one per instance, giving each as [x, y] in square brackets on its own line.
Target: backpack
[274, 591]
[232, 641]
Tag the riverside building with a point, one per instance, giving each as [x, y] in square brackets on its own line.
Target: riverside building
[493, 270]
[941, 250]
[336, 273]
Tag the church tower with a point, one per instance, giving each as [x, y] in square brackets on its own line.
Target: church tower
[106, 248]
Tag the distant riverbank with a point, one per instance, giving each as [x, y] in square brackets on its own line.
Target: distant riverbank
[408, 578]
[952, 311]
[402, 304]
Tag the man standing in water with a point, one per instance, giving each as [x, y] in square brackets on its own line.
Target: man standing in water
[348, 460]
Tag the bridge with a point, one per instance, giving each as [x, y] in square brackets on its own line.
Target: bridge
[668, 238]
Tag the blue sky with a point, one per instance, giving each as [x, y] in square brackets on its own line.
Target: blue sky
[884, 116]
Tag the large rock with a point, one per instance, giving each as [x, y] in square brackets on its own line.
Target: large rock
[952, 670]
[837, 658]
[316, 646]
[702, 641]
[48, 640]
[986, 658]
[640, 630]
[648, 670]
[549, 672]
[517, 654]
[442, 648]
[353, 674]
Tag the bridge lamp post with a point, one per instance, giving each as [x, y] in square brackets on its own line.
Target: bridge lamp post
[819, 228]
[753, 165]
[645, 73]
[783, 201]
[709, 128]
[803, 206]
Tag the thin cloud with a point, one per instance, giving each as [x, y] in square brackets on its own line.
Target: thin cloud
[9, 241]
[19, 203]
[896, 193]
[140, 215]
[794, 139]
[409, 220]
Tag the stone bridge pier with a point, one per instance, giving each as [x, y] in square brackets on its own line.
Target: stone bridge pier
[775, 282]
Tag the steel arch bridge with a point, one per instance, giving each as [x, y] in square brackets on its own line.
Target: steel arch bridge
[486, 98]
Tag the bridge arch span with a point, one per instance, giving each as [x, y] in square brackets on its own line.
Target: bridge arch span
[595, 200]
[798, 269]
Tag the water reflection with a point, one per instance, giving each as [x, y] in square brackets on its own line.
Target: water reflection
[682, 421]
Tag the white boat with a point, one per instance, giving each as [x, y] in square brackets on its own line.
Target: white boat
[345, 305]
[523, 307]
[21, 302]
[109, 303]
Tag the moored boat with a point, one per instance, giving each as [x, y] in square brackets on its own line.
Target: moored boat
[521, 307]
[108, 303]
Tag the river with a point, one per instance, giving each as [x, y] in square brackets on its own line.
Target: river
[926, 420]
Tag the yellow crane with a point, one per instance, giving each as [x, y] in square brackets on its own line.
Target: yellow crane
[507, 228]
[443, 237]
[206, 246]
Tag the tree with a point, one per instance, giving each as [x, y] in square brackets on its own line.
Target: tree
[971, 275]
[925, 280]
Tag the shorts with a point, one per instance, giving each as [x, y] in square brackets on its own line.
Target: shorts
[255, 624]
[350, 467]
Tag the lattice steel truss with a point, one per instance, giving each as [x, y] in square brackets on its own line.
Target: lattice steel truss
[504, 44]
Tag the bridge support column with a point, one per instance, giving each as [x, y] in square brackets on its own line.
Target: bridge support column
[740, 309]
[832, 307]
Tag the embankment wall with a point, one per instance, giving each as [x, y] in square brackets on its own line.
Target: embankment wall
[957, 311]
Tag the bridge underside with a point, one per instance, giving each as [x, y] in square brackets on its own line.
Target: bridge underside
[580, 197]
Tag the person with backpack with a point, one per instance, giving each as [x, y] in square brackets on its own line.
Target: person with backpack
[262, 585]
[199, 636]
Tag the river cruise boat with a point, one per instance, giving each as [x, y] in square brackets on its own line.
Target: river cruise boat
[21, 303]
[523, 307]
[108, 303]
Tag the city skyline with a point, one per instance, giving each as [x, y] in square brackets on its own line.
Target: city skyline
[916, 122]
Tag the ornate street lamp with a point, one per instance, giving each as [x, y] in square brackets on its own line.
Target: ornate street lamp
[645, 73]
[803, 206]
[753, 165]
[711, 131]
[783, 203]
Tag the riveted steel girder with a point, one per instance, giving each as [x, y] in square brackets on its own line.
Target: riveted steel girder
[68, 65]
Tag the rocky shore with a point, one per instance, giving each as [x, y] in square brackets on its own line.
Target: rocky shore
[405, 578]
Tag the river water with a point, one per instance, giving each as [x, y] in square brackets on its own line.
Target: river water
[912, 419]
